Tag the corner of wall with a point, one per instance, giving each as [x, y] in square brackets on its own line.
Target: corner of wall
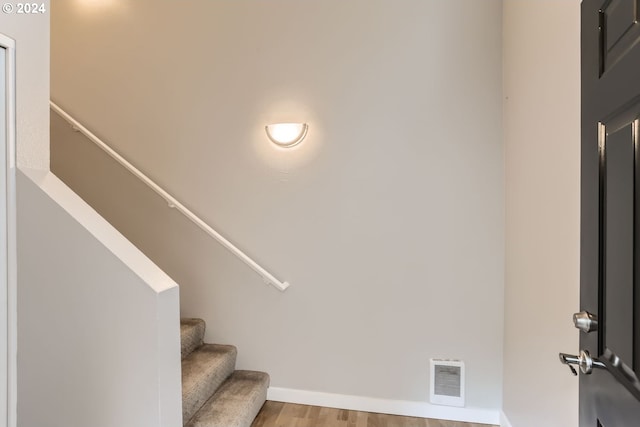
[504, 421]
[541, 126]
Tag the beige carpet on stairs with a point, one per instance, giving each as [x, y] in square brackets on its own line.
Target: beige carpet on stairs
[214, 394]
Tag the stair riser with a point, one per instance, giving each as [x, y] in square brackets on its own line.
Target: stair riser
[191, 335]
[236, 403]
[203, 371]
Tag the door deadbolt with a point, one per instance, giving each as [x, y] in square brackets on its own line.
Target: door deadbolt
[585, 321]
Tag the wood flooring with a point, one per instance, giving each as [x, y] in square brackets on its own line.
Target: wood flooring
[277, 414]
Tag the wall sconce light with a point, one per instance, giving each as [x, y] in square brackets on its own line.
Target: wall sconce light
[287, 134]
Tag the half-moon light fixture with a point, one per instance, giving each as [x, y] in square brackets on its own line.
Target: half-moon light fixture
[287, 134]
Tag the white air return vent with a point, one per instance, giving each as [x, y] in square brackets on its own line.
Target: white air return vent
[447, 382]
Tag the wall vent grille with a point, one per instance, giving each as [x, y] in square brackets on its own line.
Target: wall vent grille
[447, 382]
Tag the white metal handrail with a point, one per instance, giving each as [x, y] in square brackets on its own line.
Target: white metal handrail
[171, 201]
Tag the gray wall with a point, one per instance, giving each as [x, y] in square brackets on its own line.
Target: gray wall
[31, 33]
[542, 150]
[387, 221]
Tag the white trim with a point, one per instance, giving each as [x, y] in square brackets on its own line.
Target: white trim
[384, 406]
[12, 302]
[504, 421]
[171, 201]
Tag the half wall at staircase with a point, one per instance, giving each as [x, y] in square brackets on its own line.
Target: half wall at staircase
[98, 323]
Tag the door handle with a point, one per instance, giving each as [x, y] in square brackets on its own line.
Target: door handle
[585, 321]
[585, 362]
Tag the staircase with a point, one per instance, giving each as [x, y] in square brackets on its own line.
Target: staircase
[214, 394]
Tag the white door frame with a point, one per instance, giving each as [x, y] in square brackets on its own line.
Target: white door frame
[8, 281]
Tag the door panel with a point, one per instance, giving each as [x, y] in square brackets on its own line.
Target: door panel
[620, 30]
[610, 211]
[619, 162]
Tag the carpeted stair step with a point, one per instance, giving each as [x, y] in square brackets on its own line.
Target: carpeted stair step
[203, 371]
[236, 403]
[191, 335]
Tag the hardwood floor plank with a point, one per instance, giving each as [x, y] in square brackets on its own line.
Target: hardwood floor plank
[278, 414]
[375, 420]
[269, 411]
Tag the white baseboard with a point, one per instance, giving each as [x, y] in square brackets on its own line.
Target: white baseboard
[384, 406]
[504, 421]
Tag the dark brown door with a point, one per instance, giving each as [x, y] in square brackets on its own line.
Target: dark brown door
[610, 215]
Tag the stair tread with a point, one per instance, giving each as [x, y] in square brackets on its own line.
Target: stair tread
[203, 371]
[236, 403]
[191, 335]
